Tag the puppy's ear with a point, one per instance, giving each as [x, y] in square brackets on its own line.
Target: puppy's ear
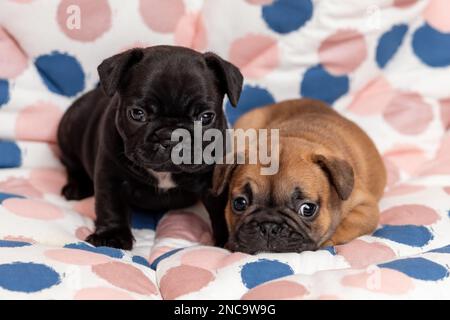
[339, 172]
[112, 70]
[229, 76]
[221, 177]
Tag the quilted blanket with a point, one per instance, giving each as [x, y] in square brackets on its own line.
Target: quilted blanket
[383, 63]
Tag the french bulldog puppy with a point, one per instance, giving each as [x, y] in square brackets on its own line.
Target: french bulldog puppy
[116, 139]
[325, 192]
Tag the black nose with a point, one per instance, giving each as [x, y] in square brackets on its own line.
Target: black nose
[163, 137]
[269, 229]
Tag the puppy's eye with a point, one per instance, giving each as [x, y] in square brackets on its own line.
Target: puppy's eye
[240, 204]
[207, 117]
[138, 114]
[308, 209]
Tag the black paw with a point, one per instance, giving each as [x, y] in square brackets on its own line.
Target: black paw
[76, 191]
[116, 238]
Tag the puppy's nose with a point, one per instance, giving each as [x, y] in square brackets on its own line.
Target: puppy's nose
[269, 229]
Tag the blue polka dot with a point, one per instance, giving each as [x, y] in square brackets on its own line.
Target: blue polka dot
[284, 16]
[263, 270]
[61, 73]
[163, 256]
[4, 196]
[445, 249]
[27, 277]
[10, 155]
[415, 236]
[13, 244]
[320, 84]
[418, 268]
[4, 91]
[330, 249]
[389, 44]
[141, 219]
[251, 97]
[107, 251]
[140, 260]
[431, 46]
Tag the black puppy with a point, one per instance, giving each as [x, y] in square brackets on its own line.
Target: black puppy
[116, 140]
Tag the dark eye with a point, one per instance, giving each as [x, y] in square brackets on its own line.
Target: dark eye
[308, 209]
[207, 117]
[240, 204]
[138, 114]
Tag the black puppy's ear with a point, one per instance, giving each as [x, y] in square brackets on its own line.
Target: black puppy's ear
[112, 70]
[229, 76]
[339, 172]
[221, 177]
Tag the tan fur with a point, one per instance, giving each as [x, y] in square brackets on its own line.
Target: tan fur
[309, 128]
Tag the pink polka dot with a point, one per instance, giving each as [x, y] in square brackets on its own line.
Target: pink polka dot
[102, 293]
[13, 60]
[393, 174]
[441, 162]
[256, 55]
[210, 258]
[402, 190]
[191, 32]
[373, 98]
[260, 2]
[86, 207]
[404, 3]
[184, 225]
[276, 290]
[343, 52]
[38, 122]
[161, 16]
[409, 214]
[20, 186]
[48, 180]
[378, 280]
[34, 209]
[182, 280]
[82, 233]
[447, 189]
[20, 238]
[76, 257]
[436, 14]
[407, 157]
[125, 276]
[84, 20]
[408, 113]
[360, 253]
[445, 113]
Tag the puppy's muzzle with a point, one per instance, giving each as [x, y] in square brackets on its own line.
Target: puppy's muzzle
[269, 231]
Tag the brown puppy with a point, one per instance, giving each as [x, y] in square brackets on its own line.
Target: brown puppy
[325, 192]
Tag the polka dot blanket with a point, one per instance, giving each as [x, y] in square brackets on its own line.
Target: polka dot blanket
[383, 63]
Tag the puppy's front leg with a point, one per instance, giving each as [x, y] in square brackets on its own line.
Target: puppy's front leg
[113, 215]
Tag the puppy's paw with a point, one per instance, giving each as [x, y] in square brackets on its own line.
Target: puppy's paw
[120, 238]
[76, 191]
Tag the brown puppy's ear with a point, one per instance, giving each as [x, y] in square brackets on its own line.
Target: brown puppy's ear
[112, 70]
[221, 177]
[229, 76]
[339, 172]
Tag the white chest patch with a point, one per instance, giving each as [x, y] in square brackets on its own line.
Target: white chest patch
[164, 179]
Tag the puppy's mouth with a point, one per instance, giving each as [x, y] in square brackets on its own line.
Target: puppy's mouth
[255, 237]
[160, 161]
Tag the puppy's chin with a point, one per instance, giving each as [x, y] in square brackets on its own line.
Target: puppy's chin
[167, 165]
